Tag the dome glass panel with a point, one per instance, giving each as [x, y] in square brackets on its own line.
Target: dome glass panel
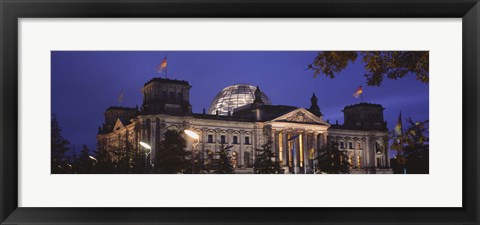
[233, 97]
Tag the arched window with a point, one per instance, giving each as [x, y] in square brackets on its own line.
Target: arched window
[247, 140]
[223, 139]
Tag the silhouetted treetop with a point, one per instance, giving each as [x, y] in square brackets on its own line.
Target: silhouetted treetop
[378, 64]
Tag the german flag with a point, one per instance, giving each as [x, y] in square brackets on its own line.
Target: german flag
[398, 127]
[163, 66]
[358, 92]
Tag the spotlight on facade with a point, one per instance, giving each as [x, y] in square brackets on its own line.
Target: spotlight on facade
[192, 134]
[145, 145]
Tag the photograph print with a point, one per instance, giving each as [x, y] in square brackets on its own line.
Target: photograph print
[240, 112]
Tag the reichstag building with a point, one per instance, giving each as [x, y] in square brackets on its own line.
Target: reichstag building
[243, 116]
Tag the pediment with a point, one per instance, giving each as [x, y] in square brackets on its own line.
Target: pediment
[118, 124]
[300, 115]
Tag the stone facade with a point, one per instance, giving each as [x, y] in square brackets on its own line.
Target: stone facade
[166, 106]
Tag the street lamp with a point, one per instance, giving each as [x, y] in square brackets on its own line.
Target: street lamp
[148, 150]
[194, 145]
[94, 159]
[94, 163]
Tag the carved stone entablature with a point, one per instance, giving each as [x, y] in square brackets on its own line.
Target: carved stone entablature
[299, 117]
[335, 137]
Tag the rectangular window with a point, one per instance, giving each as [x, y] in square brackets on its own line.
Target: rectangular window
[210, 138]
[342, 145]
[247, 140]
[222, 139]
[350, 145]
[235, 140]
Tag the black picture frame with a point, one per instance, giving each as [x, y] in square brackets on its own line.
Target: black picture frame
[12, 10]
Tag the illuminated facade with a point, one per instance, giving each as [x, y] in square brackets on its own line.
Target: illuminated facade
[247, 120]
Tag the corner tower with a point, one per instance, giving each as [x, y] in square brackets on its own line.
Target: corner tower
[364, 116]
[162, 95]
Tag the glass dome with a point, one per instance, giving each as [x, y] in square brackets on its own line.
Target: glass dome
[233, 97]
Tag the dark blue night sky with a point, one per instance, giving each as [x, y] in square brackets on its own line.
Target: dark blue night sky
[85, 84]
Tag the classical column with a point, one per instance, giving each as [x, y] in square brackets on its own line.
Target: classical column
[387, 153]
[143, 131]
[365, 151]
[204, 141]
[285, 148]
[273, 136]
[153, 144]
[253, 139]
[305, 151]
[315, 149]
[295, 157]
[204, 138]
[242, 150]
[158, 134]
[374, 152]
[361, 154]
[216, 137]
[355, 160]
[315, 142]
[229, 137]
[325, 140]
[136, 139]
